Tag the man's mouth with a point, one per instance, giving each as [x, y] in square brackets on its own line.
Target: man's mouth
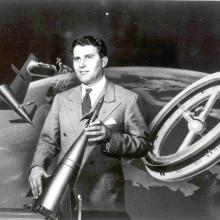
[83, 72]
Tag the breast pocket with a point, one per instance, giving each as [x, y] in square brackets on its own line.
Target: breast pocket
[115, 121]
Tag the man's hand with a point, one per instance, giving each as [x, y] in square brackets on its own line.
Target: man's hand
[35, 180]
[97, 131]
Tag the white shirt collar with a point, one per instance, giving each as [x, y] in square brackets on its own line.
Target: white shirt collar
[96, 89]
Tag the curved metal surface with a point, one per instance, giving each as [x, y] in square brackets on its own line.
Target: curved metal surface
[193, 105]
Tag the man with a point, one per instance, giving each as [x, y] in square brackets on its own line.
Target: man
[119, 131]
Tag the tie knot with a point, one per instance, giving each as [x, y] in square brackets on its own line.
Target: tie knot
[88, 91]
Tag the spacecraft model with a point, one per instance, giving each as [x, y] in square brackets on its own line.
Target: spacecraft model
[40, 69]
[66, 170]
[197, 109]
[12, 96]
[44, 70]
[7, 95]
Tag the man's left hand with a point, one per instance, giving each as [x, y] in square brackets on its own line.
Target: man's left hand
[97, 131]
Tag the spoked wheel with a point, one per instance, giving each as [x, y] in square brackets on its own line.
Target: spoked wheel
[186, 132]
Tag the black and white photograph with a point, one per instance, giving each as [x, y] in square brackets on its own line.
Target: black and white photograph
[109, 110]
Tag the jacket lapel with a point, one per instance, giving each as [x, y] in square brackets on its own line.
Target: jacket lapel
[74, 110]
[110, 101]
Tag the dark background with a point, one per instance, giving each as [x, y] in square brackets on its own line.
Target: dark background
[182, 35]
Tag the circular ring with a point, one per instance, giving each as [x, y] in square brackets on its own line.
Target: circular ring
[192, 106]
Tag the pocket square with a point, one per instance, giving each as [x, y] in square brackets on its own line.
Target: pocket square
[110, 121]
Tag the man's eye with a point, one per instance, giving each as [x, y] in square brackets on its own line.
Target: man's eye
[76, 59]
[88, 57]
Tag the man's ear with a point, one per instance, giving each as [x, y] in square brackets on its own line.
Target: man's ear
[104, 61]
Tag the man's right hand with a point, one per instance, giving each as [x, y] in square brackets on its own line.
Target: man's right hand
[35, 180]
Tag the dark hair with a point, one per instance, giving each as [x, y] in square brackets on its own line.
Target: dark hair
[91, 40]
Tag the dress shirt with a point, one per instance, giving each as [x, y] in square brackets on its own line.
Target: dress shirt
[96, 90]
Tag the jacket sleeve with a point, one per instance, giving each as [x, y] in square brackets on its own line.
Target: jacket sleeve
[49, 141]
[133, 141]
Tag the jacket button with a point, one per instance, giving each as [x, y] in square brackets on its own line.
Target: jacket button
[64, 134]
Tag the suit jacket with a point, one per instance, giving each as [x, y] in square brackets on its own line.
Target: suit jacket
[101, 181]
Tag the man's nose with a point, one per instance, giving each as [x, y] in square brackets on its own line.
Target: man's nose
[82, 63]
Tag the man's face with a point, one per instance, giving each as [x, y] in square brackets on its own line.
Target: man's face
[88, 64]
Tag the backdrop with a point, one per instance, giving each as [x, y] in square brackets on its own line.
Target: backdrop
[139, 34]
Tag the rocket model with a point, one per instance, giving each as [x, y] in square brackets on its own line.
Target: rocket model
[66, 171]
[8, 96]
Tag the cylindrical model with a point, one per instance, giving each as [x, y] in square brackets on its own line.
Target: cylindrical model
[41, 69]
[67, 170]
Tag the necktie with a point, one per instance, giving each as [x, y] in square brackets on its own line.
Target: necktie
[86, 103]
